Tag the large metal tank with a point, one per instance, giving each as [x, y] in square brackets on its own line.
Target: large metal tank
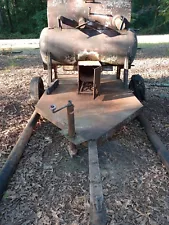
[95, 30]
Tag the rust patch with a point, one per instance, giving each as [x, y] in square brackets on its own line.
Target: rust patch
[88, 55]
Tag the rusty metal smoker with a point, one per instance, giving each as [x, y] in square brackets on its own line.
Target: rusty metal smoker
[88, 34]
[88, 30]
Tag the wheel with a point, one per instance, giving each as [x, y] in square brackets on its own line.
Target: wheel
[36, 88]
[137, 85]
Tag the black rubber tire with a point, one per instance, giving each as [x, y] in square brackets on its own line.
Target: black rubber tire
[137, 85]
[36, 88]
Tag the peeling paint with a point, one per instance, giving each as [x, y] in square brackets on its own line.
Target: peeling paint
[111, 59]
[70, 59]
[88, 55]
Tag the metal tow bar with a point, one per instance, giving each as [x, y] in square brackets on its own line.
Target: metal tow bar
[71, 124]
[97, 205]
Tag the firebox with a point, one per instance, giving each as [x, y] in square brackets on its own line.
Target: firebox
[89, 73]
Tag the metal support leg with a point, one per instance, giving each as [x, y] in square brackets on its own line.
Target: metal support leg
[49, 68]
[126, 67]
[97, 206]
[118, 72]
[71, 129]
[55, 72]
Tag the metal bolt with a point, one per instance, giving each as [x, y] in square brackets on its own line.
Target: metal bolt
[53, 107]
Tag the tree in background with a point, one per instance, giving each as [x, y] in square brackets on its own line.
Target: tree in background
[150, 17]
[164, 11]
[22, 17]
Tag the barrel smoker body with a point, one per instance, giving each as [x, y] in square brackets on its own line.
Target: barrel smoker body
[88, 30]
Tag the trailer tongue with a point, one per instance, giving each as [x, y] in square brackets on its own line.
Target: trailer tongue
[88, 119]
[90, 105]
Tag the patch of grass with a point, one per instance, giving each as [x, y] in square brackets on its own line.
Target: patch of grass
[18, 35]
[12, 63]
[153, 45]
[5, 195]
[15, 61]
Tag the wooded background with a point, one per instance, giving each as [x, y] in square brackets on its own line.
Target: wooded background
[26, 18]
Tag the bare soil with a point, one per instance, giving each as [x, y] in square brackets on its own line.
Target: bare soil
[51, 188]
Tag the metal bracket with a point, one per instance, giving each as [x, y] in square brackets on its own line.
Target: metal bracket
[51, 88]
[89, 12]
[59, 19]
[49, 64]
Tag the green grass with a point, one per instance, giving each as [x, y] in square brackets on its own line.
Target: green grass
[12, 63]
[153, 45]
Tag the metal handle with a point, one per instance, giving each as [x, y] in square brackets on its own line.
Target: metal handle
[54, 108]
[70, 117]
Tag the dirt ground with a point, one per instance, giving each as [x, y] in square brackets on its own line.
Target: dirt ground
[50, 188]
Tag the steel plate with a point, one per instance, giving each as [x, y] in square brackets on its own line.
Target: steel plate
[93, 118]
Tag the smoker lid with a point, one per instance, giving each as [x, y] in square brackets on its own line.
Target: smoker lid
[76, 9]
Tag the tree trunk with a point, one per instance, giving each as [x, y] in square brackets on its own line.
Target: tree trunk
[155, 17]
[9, 15]
[1, 20]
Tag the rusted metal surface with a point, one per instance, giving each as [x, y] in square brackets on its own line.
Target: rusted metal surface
[52, 87]
[89, 73]
[75, 12]
[71, 120]
[71, 128]
[93, 118]
[96, 82]
[67, 47]
[98, 31]
[97, 205]
[71, 124]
